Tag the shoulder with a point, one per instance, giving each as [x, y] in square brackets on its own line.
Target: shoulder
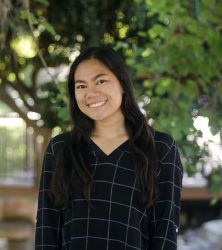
[57, 142]
[162, 140]
[169, 162]
[164, 144]
[60, 138]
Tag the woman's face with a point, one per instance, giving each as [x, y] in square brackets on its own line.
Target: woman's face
[98, 92]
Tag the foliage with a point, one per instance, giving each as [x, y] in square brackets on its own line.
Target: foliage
[179, 68]
[35, 37]
[173, 49]
[215, 181]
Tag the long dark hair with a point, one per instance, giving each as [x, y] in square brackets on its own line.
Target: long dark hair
[72, 166]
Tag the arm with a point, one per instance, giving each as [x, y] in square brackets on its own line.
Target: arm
[165, 212]
[49, 219]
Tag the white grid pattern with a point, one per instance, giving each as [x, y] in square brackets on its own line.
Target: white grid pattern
[114, 221]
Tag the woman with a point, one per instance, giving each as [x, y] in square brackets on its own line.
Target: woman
[113, 182]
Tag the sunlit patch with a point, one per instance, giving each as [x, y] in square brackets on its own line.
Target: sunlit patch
[24, 46]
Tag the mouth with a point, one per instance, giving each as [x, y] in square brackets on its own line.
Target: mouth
[97, 104]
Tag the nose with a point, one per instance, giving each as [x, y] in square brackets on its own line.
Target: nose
[92, 93]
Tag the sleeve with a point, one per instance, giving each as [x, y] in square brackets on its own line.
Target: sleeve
[49, 219]
[165, 212]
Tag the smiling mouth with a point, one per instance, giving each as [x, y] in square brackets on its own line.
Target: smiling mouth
[97, 104]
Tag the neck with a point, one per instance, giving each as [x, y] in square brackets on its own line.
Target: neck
[110, 128]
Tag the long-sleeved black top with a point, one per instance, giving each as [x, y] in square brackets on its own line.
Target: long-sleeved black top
[114, 221]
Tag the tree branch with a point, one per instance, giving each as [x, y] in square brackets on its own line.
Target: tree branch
[22, 92]
[11, 104]
[27, 7]
[34, 83]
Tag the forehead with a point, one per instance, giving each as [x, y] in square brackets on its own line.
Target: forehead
[90, 67]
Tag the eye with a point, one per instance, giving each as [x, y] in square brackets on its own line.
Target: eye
[101, 81]
[80, 86]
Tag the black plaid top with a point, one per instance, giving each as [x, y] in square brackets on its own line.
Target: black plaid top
[114, 221]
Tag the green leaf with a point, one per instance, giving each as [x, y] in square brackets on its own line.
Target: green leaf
[48, 27]
[24, 15]
[64, 114]
[157, 30]
[214, 201]
[43, 2]
[148, 83]
[142, 34]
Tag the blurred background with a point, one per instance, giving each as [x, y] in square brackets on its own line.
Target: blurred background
[173, 50]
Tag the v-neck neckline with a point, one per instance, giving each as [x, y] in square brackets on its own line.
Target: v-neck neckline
[119, 147]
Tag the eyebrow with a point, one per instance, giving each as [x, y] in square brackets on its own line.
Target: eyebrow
[93, 79]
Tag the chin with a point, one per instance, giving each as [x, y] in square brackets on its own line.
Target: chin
[98, 118]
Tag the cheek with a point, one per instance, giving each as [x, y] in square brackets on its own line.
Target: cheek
[119, 91]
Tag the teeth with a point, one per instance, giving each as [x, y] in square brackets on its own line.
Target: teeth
[98, 104]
